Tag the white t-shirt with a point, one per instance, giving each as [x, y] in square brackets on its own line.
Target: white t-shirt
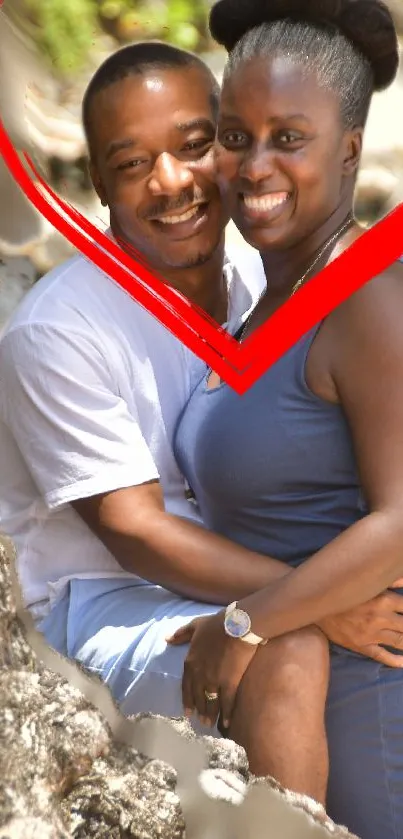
[91, 389]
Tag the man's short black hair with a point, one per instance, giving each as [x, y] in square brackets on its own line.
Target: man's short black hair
[139, 58]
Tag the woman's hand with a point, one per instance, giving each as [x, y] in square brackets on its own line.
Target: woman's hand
[215, 665]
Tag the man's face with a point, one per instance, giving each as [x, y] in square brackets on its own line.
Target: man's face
[153, 164]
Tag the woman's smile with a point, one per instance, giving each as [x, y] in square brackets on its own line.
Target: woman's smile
[264, 208]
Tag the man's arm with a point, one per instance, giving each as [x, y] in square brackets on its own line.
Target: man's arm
[83, 446]
[199, 564]
[171, 552]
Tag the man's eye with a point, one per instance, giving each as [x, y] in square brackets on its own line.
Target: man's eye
[198, 145]
[130, 164]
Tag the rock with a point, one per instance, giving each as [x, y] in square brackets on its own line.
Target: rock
[223, 785]
[228, 756]
[17, 275]
[118, 798]
[70, 768]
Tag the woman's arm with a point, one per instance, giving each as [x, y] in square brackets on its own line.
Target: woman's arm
[367, 370]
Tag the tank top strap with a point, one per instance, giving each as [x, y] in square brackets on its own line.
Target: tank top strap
[296, 357]
[299, 355]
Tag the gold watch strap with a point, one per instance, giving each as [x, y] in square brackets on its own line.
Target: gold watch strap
[250, 637]
[253, 639]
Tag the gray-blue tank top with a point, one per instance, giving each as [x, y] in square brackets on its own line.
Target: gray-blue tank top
[273, 469]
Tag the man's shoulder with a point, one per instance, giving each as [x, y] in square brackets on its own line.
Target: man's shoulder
[59, 290]
[76, 296]
[78, 308]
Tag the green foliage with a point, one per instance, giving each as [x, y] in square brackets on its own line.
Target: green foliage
[183, 22]
[65, 30]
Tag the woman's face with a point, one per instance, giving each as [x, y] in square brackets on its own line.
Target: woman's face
[284, 161]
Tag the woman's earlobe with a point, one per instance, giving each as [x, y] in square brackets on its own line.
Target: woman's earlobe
[353, 152]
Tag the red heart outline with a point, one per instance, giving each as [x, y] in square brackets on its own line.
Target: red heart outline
[239, 365]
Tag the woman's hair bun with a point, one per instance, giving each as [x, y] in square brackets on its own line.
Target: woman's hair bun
[368, 24]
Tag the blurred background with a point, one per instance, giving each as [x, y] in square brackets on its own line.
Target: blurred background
[48, 51]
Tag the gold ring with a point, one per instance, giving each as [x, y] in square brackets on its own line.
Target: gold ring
[211, 697]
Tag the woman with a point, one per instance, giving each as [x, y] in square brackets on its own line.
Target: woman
[307, 466]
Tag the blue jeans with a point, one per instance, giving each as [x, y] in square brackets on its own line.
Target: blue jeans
[118, 630]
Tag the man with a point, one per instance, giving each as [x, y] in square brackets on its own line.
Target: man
[111, 555]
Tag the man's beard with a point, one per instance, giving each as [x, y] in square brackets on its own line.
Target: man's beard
[197, 259]
[194, 261]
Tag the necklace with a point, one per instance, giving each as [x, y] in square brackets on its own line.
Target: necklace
[340, 230]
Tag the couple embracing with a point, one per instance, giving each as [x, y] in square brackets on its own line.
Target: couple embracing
[237, 557]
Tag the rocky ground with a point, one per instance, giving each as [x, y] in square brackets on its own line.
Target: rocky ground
[73, 768]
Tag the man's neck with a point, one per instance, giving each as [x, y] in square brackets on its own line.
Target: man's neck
[204, 285]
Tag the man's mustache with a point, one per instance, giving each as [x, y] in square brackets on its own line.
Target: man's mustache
[172, 205]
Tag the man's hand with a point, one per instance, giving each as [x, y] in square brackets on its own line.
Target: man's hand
[367, 627]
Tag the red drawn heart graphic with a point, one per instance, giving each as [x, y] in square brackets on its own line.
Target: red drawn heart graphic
[239, 365]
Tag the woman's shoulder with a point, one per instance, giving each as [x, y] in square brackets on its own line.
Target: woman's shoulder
[364, 330]
[377, 304]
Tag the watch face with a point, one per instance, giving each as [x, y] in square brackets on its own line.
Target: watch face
[237, 623]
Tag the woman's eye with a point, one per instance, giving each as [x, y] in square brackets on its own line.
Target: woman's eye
[286, 138]
[233, 139]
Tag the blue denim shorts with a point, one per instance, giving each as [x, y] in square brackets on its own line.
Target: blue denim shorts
[118, 630]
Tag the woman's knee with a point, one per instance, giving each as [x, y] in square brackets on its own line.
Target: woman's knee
[308, 645]
[285, 689]
[297, 661]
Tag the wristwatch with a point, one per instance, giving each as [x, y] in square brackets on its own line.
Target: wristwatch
[237, 624]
